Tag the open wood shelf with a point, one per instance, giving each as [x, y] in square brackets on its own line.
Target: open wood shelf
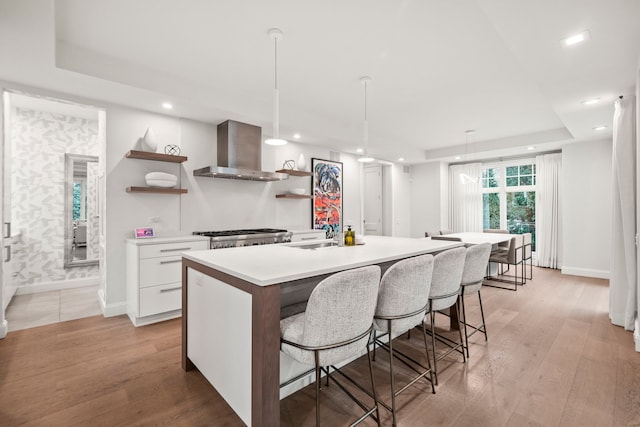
[294, 172]
[145, 155]
[156, 190]
[293, 196]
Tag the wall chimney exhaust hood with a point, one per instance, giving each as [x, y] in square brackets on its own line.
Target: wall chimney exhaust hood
[239, 154]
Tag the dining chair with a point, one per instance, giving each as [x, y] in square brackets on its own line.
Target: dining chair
[402, 303]
[475, 266]
[445, 288]
[527, 254]
[450, 238]
[443, 232]
[512, 256]
[335, 327]
[431, 233]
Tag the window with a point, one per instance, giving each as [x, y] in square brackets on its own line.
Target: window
[510, 203]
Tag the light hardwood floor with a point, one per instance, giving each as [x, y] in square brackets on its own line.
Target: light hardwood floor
[552, 359]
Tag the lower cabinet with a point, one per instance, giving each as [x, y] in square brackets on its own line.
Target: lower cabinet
[154, 277]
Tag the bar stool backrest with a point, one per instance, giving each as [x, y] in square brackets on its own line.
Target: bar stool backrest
[446, 278]
[475, 267]
[340, 308]
[404, 289]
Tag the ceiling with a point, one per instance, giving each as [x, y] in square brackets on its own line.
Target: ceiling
[438, 67]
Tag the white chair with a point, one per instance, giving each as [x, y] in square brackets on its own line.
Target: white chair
[475, 266]
[335, 327]
[445, 288]
[402, 303]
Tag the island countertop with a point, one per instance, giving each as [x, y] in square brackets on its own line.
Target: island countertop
[273, 264]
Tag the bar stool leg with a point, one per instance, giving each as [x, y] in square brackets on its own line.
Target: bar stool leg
[464, 322]
[393, 384]
[373, 387]
[464, 358]
[484, 325]
[433, 343]
[315, 353]
[426, 348]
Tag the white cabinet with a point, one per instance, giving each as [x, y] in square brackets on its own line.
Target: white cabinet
[154, 277]
[306, 235]
[13, 258]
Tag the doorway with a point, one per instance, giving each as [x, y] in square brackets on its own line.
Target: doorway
[377, 213]
[52, 184]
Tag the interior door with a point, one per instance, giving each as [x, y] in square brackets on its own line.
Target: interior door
[373, 200]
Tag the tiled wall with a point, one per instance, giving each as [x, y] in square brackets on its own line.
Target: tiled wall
[39, 141]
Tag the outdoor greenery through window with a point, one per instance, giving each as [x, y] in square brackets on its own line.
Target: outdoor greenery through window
[509, 203]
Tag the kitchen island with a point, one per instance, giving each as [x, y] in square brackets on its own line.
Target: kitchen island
[233, 300]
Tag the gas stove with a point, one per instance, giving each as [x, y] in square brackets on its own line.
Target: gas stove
[245, 237]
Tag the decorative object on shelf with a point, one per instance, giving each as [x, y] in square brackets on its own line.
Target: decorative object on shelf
[302, 163]
[365, 158]
[161, 179]
[275, 34]
[289, 164]
[144, 232]
[149, 142]
[326, 191]
[172, 150]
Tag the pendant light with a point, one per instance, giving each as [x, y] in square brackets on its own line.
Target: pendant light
[465, 178]
[276, 35]
[365, 131]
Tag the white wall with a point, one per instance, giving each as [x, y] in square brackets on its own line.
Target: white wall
[587, 206]
[429, 198]
[401, 200]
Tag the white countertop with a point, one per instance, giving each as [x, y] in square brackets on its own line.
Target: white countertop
[271, 264]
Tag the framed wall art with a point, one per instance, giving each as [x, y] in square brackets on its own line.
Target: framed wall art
[326, 188]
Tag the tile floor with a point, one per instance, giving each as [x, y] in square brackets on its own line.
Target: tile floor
[31, 310]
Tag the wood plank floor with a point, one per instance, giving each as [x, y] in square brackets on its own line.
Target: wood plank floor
[552, 359]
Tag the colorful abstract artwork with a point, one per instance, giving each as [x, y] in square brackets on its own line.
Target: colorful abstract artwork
[327, 196]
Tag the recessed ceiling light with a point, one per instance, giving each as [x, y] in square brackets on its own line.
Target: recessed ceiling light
[591, 101]
[603, 127]
[401, 159]
[458, 158]
[531, 148]
[359, 150]
[296, 135]
[167, 105]
[576, 38]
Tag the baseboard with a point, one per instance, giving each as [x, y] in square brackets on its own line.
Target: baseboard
[586, 272]
[110, 310]
[148, 320]
[4, 328]
[57, 285]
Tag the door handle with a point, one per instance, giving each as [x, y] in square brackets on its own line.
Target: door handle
[7, 258]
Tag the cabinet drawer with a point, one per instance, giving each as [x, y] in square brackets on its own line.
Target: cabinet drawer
[158, 271]
[168, 249]
[158, 299]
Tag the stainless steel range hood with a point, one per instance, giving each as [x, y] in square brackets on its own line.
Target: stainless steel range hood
[239, 154]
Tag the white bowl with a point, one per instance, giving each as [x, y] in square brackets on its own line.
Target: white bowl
[299, 191]
[161, 179]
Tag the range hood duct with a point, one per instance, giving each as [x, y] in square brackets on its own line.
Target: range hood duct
[239, 154]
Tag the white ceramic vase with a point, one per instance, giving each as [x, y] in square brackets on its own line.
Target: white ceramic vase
[149, 142]
[302, 163]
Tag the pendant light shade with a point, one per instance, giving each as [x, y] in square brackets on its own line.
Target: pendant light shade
[276, 35]
[365, 158]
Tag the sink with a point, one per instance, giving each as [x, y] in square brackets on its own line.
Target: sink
[316, 245]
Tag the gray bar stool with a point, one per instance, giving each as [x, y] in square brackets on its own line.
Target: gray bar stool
[475, 266]
[445, 288]
[402, 304]
[335, 327]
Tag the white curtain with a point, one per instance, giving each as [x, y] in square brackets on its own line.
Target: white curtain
[465, 197]
[548, 210]
[623, 287]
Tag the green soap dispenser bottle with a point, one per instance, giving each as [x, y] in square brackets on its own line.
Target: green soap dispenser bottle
[349, 237]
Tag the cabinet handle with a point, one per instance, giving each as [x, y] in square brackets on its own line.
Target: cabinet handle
[170, 289]
[173, 250]
[309, 238]
[171, 261]
[8, 257]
